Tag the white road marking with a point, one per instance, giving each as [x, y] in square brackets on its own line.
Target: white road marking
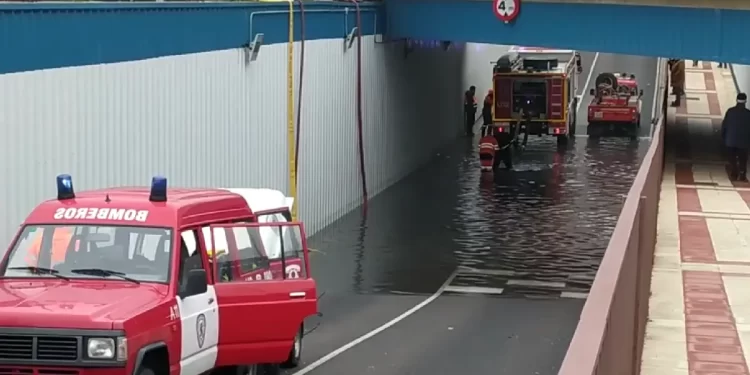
[656, 91]
[588, 80]
[463, 270]
[473, 289]
[537, 283]
[374, 332]
[576, 295]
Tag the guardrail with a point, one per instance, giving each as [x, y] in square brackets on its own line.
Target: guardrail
[610, 333]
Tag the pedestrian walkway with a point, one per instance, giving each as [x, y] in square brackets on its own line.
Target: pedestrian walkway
[699, 309]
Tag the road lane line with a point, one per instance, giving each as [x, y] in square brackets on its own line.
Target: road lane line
[374, 332]
[473, 290]
[588, 80]
[656, 93]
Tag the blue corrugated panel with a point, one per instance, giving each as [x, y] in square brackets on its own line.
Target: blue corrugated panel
[43, 36]
[705, 34]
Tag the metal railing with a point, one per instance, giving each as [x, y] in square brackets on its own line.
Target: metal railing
[610, 333]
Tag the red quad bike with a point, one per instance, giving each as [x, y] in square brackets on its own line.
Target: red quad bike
[615, 106]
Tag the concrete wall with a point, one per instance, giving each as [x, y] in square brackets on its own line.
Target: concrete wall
[742, 76]
[211, 120]
[478, 67]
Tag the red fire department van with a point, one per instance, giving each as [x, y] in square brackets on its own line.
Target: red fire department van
[155, 281]
[537, 87]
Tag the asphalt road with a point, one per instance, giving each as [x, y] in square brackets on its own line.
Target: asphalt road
[455, 273]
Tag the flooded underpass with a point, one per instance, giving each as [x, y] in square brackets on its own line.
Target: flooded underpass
[457, 271]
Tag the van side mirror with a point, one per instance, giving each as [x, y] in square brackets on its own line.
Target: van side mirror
[196, 282]
[592, 92]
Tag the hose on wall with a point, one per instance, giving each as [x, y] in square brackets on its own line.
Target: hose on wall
[360, 137]
[301, 80]
[291, 145]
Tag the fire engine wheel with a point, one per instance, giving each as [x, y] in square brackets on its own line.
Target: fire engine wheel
[562, 140]
[295, 355]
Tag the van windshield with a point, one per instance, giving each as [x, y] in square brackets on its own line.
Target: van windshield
[87, 251]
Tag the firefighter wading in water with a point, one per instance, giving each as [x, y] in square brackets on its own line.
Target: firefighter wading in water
[470, 109]
[487, 113]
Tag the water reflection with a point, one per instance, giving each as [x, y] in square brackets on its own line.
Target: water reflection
[544, 225]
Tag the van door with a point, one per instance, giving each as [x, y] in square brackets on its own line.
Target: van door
[261, 316]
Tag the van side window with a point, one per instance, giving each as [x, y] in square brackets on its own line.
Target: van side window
[249, 256]
[190, 259]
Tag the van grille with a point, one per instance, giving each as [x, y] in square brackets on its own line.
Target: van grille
[44, 348]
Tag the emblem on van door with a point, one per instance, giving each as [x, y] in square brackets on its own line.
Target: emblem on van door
[293, 271]
[200, 330]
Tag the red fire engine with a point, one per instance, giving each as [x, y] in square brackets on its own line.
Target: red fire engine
[615, 105]
[537, 87]
[155, 281]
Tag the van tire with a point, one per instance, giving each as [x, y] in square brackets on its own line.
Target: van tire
[144, 370]
[269, 369]
[295, 355]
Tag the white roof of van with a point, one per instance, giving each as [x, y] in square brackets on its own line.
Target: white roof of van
[540, 50]
[263, 199]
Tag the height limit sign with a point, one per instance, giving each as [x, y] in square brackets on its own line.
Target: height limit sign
[506, 10]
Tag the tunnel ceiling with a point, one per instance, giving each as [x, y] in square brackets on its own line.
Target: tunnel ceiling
[663, 31]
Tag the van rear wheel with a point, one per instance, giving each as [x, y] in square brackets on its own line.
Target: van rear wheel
[295, 355]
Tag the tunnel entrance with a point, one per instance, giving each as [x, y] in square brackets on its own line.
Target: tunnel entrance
[504, 259]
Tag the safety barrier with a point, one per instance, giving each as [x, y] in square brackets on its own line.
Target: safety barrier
[610, 333]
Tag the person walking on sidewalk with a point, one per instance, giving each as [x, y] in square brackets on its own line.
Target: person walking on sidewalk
[735, 132]
[470, 109]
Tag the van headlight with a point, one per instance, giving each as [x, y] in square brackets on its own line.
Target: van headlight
[101, 348]
[107, 348]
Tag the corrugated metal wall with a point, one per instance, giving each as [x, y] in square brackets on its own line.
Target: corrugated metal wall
[211, 120]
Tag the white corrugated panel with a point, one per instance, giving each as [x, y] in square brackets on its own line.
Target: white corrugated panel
[211, 119]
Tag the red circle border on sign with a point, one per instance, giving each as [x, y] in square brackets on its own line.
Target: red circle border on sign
[506, 19]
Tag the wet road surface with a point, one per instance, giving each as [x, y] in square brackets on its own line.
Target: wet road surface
[498, 266]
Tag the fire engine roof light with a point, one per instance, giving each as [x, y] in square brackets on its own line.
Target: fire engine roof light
[158, 189]
[65, 187]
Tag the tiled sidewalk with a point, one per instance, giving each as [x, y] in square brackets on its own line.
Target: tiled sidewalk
[699, 309]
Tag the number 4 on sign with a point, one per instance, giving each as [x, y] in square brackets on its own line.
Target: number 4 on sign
[506, 10]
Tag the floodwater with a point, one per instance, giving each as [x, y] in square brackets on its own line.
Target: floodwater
[544, 224]
[514, 254]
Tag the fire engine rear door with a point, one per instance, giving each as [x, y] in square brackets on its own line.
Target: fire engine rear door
[264, 290]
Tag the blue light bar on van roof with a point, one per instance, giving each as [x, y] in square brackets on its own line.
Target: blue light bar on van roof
[65, 187]
[158, 189]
